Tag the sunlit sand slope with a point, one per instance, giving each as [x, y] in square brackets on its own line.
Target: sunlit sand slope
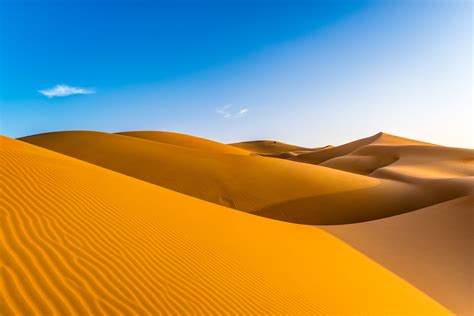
[244, 182]
[80, 239]
[321, 156]
[432, 248]
[186, 141]
[274, 188]
[407, 162]
[392, 157]
[267, 147]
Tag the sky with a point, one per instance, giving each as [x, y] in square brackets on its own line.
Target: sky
[310, 73]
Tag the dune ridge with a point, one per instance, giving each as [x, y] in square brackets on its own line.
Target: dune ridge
[275, 188]
[381, 138]
[432, 248]
[268, 147]
[186, 141]
[81, 239]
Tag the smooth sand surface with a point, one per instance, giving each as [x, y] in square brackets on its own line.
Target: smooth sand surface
[274, 188]
[267, 147]
[186, 141]
[319, 156]
[392, 157]
[81, 239]
[432, 248]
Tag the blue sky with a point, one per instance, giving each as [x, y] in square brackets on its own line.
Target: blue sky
[305, 72]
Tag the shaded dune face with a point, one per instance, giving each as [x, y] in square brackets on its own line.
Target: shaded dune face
[274, 188]
[388, 156]
[81, 239]
[431, 248]
[386, 199]
[244, 182]
[320, 156]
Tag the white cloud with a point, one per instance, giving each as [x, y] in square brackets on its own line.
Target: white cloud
[243, 111]
[227, 112]
[62, 90]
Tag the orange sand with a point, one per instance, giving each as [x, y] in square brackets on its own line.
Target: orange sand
[149, 223]
[275, 188]
[81, 239]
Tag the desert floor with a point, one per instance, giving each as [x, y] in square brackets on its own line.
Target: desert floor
[145, 222]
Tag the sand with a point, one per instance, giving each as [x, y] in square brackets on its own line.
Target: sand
[274, 188]
[319, 156]
[186, 141]
[81, 239]
[432, 248]
[166, 223]
[268, 147]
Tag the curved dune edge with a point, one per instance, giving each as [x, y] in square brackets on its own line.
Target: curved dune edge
[187, 141]
[80, 239]
[392, 157]
[274, 188]
[431, 248]
[243, 182]
[321, 156]
[267, 147]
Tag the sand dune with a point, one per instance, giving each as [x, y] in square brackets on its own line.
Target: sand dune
[81, 239]
[320, 156]
[275, 188]
[243, 182]
[392, 157]
[186, 141]
[268, 147]
[432, 248]
[398, 161]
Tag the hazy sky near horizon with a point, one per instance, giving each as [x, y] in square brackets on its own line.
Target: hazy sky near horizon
[304, 72]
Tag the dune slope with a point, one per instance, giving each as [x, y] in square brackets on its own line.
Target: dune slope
[80, 239]
[267, 147]
[432, 248]
[392, 157]
[317, 157]
[186, 141]
[274, 188]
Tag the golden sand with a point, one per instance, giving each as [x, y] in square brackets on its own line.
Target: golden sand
[275, 188]
[147, 222]
[81, 239]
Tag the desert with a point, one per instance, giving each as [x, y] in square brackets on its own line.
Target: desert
[236, 157]
[148, 222]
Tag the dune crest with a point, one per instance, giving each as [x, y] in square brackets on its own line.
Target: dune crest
[432, 248]
[274, 188]
[321, 156]
[186, 141]
[80, 239]
[268, 147]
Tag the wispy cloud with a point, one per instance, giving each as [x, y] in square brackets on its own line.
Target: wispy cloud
[62, 90]
[227, 112]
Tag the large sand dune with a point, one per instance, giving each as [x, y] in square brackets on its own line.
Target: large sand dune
[186, 141]
[275, 188]
[320, 156]
[268, 147]
[81, 239]
[432, 248]
[97, 230]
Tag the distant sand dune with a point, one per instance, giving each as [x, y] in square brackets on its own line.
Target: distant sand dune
[244, 182]
[275, 188]
[332, 152]
[388, 156]
[186, 141]
[81, 239]
[268, 147]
